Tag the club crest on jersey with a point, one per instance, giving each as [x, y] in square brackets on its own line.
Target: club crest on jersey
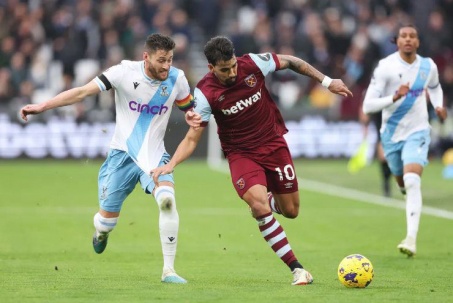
[163, 91]
[240, 183]
[423, 75]
[250, 80]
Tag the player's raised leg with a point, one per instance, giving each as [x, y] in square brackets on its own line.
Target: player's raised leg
[274, 234]
[117, 178]
[104, 223]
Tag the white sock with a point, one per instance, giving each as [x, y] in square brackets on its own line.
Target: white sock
[104, 225]
[168, 223]
[412, 183]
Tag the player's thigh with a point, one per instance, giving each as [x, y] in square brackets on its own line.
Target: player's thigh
[392, 153]
[245, 173]
[280, 173]
[117, 178]
[415, 149]
[147, 182]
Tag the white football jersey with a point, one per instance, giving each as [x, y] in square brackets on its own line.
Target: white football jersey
[143, 107]
[409, 114]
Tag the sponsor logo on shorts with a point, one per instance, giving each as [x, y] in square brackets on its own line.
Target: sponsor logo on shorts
[289, 185]
[240, 183]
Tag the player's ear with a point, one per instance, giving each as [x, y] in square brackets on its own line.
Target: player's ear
[211, 67]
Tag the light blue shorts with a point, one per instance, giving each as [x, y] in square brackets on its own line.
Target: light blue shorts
[118, 177]
[413, 150]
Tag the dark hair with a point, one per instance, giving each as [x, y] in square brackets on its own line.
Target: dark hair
[218, 49]
[395, 37]
[156, 42]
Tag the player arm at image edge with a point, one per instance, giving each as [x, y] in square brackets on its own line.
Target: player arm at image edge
[68, 97]
[304, 68]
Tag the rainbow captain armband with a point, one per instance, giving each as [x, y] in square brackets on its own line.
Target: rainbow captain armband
[185, 104]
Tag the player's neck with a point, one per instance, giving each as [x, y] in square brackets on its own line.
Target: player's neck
[408, 58]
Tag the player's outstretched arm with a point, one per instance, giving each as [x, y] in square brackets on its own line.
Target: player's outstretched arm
[184, 150]
[67, 97]
[302, 67]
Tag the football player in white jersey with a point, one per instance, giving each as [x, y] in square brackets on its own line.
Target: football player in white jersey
[145, 92]
[399, 87]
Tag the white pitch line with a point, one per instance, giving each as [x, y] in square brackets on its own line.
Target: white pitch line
[343, 192]
[357, 195]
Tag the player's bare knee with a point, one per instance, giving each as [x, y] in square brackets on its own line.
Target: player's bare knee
[258, 208]
[291, 213]
[289, 210]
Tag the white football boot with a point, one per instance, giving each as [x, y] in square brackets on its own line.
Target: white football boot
[301, 277]
[407, 246]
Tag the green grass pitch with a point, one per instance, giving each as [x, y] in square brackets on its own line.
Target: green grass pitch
[47, 208]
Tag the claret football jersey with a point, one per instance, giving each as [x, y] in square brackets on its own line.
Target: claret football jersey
[245, 113]
[143, 107]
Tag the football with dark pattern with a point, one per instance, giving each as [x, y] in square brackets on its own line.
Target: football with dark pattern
[356, 271]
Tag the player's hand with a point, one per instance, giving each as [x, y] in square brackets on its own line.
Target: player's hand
[338, 87]
[30, 109]
[401, 92]
[441, 113]
[161, 170]
[193, 119]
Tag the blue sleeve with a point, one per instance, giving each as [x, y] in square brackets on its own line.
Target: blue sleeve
[265, 62]
[202, 105]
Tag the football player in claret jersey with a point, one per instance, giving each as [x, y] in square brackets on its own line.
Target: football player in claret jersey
[251, 129]
[398, 88]
[145, 92]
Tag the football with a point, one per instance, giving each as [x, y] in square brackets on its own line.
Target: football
[355, 271]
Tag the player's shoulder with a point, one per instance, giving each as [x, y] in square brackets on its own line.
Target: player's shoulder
[429, 59]
[209, 86]
[206, 81]
[177, 71]
[251, 59]
[129, 64]
[125, 67]
[389, 59]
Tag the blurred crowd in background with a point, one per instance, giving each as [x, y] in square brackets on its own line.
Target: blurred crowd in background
[47, 46]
